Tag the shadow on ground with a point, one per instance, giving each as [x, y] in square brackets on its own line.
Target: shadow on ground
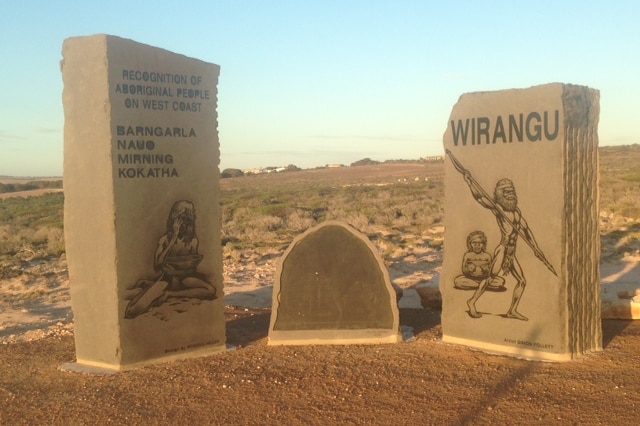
[248, 327]
[611, 329]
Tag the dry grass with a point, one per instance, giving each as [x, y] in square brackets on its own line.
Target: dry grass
[30, 229]
[263, 213]
[395, 204]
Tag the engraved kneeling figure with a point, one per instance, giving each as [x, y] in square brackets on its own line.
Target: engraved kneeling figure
[176, 259]
[476, 265]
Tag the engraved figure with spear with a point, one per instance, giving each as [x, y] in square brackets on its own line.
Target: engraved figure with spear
[504, 205]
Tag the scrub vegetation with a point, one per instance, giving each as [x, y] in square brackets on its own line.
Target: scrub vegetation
[31, 228]
[399, 206]
[389, 202]
[29, 186]
[620, 200]
[273, 211]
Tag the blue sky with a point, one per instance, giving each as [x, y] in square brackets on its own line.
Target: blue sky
[317, 82]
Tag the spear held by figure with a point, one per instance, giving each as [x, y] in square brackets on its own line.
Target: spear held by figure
[511, 223]
[459, 167]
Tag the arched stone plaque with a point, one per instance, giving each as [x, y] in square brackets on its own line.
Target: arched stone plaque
[332, 287]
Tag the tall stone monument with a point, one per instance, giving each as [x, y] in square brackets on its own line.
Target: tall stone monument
[522, 250]
[142, 211]
[332, 287]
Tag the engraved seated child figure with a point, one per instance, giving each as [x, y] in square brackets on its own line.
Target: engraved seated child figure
[476, 265]
[176, 259]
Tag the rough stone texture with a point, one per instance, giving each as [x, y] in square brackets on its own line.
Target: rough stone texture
[521, 266]
[142, 215]
[332, 287]
[621, 301]
[430, 296]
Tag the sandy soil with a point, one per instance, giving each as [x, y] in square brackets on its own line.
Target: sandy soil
[32, 193]
[420, 380]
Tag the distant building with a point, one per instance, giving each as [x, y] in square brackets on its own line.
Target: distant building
[264, 170]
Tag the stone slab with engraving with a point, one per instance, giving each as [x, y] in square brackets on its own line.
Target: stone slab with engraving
[141, 215]
[521, 266]
[332, 287]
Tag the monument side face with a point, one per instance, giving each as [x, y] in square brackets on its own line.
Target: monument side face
[157, 155]
[89, 209]
[521, 220]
